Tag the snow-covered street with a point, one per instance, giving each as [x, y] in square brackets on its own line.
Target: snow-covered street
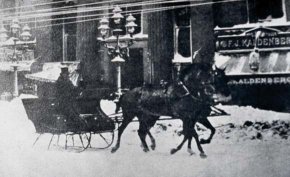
[228, 154]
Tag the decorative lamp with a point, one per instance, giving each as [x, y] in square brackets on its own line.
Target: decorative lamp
[15, 28]
[15, 20]
[117, 9]
[118, 50]
[131, 24]
[25, 35]
[131, 27]
[104, 27]
[3, 34]
[26, 28]
[117, 15]
[118, 59]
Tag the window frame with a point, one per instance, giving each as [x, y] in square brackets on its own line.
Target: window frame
[66, 35]
[177, 55]
[279, 19]
[248, 22]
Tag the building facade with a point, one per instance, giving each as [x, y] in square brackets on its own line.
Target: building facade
[16, 50]
[249, 38]
[162, 35]
[252, 43]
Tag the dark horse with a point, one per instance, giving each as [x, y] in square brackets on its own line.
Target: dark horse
[189, 98]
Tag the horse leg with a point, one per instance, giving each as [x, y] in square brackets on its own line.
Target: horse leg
[174, 150]
[153, 142]
[186, 137]
[127, 119]
[205, 122]
[142, 132]
[150, 125]
[195, 135]
[189, 150]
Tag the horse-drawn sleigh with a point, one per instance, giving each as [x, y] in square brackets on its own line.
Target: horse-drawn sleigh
[188, 98]
[91, 120]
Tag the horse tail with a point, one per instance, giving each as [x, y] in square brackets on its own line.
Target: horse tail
[118, 104]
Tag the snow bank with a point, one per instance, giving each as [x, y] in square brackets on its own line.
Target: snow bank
[227, 157]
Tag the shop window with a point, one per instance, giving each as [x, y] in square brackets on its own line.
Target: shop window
[230, 13]
[64, 35]
[69, 34]
[265, 10]
[248, 11]
[182, 32]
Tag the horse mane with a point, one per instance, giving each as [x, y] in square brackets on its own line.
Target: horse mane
[205, 67]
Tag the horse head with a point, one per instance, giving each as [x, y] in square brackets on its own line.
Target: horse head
[197, 78]
[203, 79]
[220, 80]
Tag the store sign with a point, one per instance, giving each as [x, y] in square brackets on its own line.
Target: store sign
[267, 39]
[260, 80]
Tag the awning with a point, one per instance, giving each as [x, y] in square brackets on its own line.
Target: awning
[51, 72]
[273, 68]
[270, 63]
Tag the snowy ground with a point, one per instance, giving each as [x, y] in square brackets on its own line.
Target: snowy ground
[230, 154]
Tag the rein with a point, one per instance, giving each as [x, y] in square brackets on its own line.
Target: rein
[187, 92]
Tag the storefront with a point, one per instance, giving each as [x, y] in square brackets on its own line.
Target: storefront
[257, 63]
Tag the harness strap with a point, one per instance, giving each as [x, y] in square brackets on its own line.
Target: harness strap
[187, 93]
[146, 111]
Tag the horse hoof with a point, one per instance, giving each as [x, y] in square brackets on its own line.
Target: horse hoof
[203, 155]
[190, 152]
[173, 151]
[153, 147]
[146, 149]
[203, 141]
[114, 149]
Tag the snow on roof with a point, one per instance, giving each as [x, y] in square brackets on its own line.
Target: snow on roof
[271, 23]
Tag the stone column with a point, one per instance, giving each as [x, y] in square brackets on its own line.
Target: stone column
[160, 44]
[88, 49]
[202, 23]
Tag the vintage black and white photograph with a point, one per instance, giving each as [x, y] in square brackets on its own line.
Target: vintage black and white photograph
[144, 88]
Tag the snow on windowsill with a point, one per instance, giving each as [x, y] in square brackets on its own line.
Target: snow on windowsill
[274, 22]
[180, 59]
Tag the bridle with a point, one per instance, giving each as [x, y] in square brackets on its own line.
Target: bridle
[204, 85]
[188, 93]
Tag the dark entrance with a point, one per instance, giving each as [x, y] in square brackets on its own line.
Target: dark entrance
[132, 73]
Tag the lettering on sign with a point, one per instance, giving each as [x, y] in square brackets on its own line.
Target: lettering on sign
[260, 80]
[270, 39]
[248, 43]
